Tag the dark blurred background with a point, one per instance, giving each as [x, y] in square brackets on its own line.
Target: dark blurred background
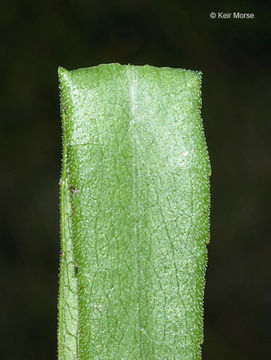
[234, 57]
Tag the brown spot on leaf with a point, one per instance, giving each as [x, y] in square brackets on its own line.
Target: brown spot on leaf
[73, 189]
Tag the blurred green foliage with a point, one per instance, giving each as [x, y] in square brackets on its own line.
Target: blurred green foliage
[233, 55]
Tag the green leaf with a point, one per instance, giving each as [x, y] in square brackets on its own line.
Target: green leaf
[135, 214]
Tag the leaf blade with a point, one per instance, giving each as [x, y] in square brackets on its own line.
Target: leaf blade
[138, 161]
